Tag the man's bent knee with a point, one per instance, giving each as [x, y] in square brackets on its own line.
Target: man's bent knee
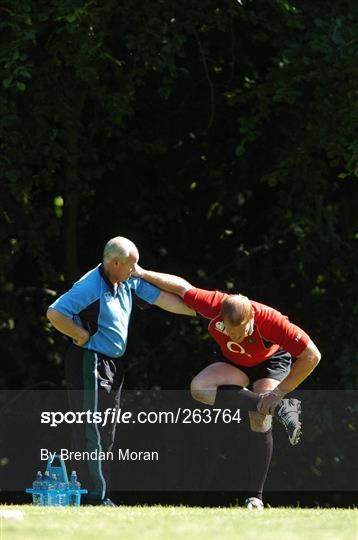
[260, 423]
[204, 395]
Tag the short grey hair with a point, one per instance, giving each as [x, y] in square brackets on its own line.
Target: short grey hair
[119, 247]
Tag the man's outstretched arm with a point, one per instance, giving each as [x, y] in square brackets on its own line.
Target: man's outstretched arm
[173, 303]
[165, 282]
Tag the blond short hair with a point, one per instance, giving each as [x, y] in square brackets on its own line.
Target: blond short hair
[236, 308]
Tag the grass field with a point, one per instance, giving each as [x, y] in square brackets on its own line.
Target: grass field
[174, 522]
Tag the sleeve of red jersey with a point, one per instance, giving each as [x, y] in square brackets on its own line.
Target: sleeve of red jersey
[277, 328]
[207, 303]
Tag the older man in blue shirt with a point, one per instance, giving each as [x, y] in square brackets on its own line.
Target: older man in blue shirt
[95, 313]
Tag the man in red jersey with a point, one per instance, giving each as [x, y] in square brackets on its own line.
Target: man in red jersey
[257, 343]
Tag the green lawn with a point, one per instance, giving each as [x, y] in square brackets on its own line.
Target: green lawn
[179, 522]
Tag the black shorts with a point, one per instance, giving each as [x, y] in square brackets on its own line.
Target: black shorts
[276, 367]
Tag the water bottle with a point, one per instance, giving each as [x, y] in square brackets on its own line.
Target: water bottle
[74, 497]
[46, 480]
[53, 495]
[62, 493]
[37, 487]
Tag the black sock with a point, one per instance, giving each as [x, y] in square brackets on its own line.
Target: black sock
[259, 458]
[232, 396]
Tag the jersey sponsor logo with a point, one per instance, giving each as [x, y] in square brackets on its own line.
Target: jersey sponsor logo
[236, 348]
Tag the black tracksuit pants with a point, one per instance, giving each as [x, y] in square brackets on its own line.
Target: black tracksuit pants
[94, 383]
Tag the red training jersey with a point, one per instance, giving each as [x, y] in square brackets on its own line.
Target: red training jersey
[272, 330]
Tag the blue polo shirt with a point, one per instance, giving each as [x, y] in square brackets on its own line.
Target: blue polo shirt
[94, 303]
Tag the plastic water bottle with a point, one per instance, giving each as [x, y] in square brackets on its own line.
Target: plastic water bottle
[37, 487]
[46, 480]
[62, 493]
[53, 495]
[74, 497]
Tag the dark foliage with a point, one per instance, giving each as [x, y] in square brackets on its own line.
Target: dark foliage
[219, 136]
